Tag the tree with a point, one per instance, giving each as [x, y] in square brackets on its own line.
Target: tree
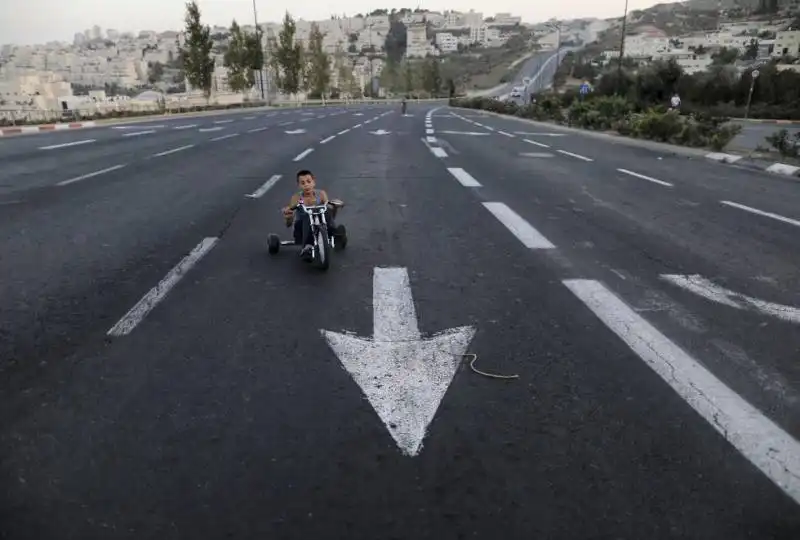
[432, 78]
[195, 54]
[154, 72]
[287, 60]
[408, 76]
[725, 56]
[751, 53]
[318, 64]
[237, 60]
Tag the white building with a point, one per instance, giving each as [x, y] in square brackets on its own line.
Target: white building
[417, 44]
[787, 43]
[446, 42]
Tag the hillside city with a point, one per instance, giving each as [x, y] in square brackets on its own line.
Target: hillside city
[112, 66]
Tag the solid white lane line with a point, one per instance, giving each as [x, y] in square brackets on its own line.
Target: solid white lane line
[506, 134]
[464, 177]
[759, 439]
[257, 194]
[303, 154]
[439, 152]
[577, 156]
[65, 145]
[327, 139]
[643, 177]
[790, 221]
[256, 130]
[137, 133]
[524, 231]
[90, 175]
[179, 149]
[228, 136]
[536, 143]
[138, 312]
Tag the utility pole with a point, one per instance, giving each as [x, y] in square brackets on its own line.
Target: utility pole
[261, 67]
[622, 47]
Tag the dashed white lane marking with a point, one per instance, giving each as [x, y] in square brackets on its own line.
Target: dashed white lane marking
[90, 175]
[759, 439]
[490, 128]
[266, 187]
[327, 139]
[257, 130]
[536, 143]
[222, 138]
[752, 210]
[174, 150]
[157, 293]
[506, 134]
[463, 177]
[65, 145]
[303, 154]
[286, 123]
[431, 139]
[524, 231]
[576, 156]
[357, 126]
[343, 131]
[249, 117]
[223, 121]
[208, 130]
[428, 131]
[137, 133]
[187, 126]
[439, 152]
[643, 177]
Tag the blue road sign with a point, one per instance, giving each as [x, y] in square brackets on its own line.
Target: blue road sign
[585, 88]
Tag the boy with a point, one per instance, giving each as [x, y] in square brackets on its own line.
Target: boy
[302, 224]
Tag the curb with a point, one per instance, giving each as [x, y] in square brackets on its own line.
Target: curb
[773, 168]
[765, 121]
[45, 128]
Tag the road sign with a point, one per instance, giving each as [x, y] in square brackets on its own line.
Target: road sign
[403, 375]
[585, 88]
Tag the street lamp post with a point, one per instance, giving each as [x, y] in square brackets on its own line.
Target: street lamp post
[258, 37]
[622, 47]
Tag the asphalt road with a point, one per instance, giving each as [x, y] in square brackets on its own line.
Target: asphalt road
[646, 406]
[542, 62]
[754, 134]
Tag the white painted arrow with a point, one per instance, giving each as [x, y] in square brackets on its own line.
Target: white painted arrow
[710, 291]
[380, 132]
[403, 375]
[295, 132]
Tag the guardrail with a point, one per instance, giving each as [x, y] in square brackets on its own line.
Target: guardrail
[22, 117]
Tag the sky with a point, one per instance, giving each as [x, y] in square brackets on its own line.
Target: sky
[39, 21]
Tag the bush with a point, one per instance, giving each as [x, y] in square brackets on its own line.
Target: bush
[618, 114]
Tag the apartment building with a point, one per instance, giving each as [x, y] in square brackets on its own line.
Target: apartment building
[787, 43]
